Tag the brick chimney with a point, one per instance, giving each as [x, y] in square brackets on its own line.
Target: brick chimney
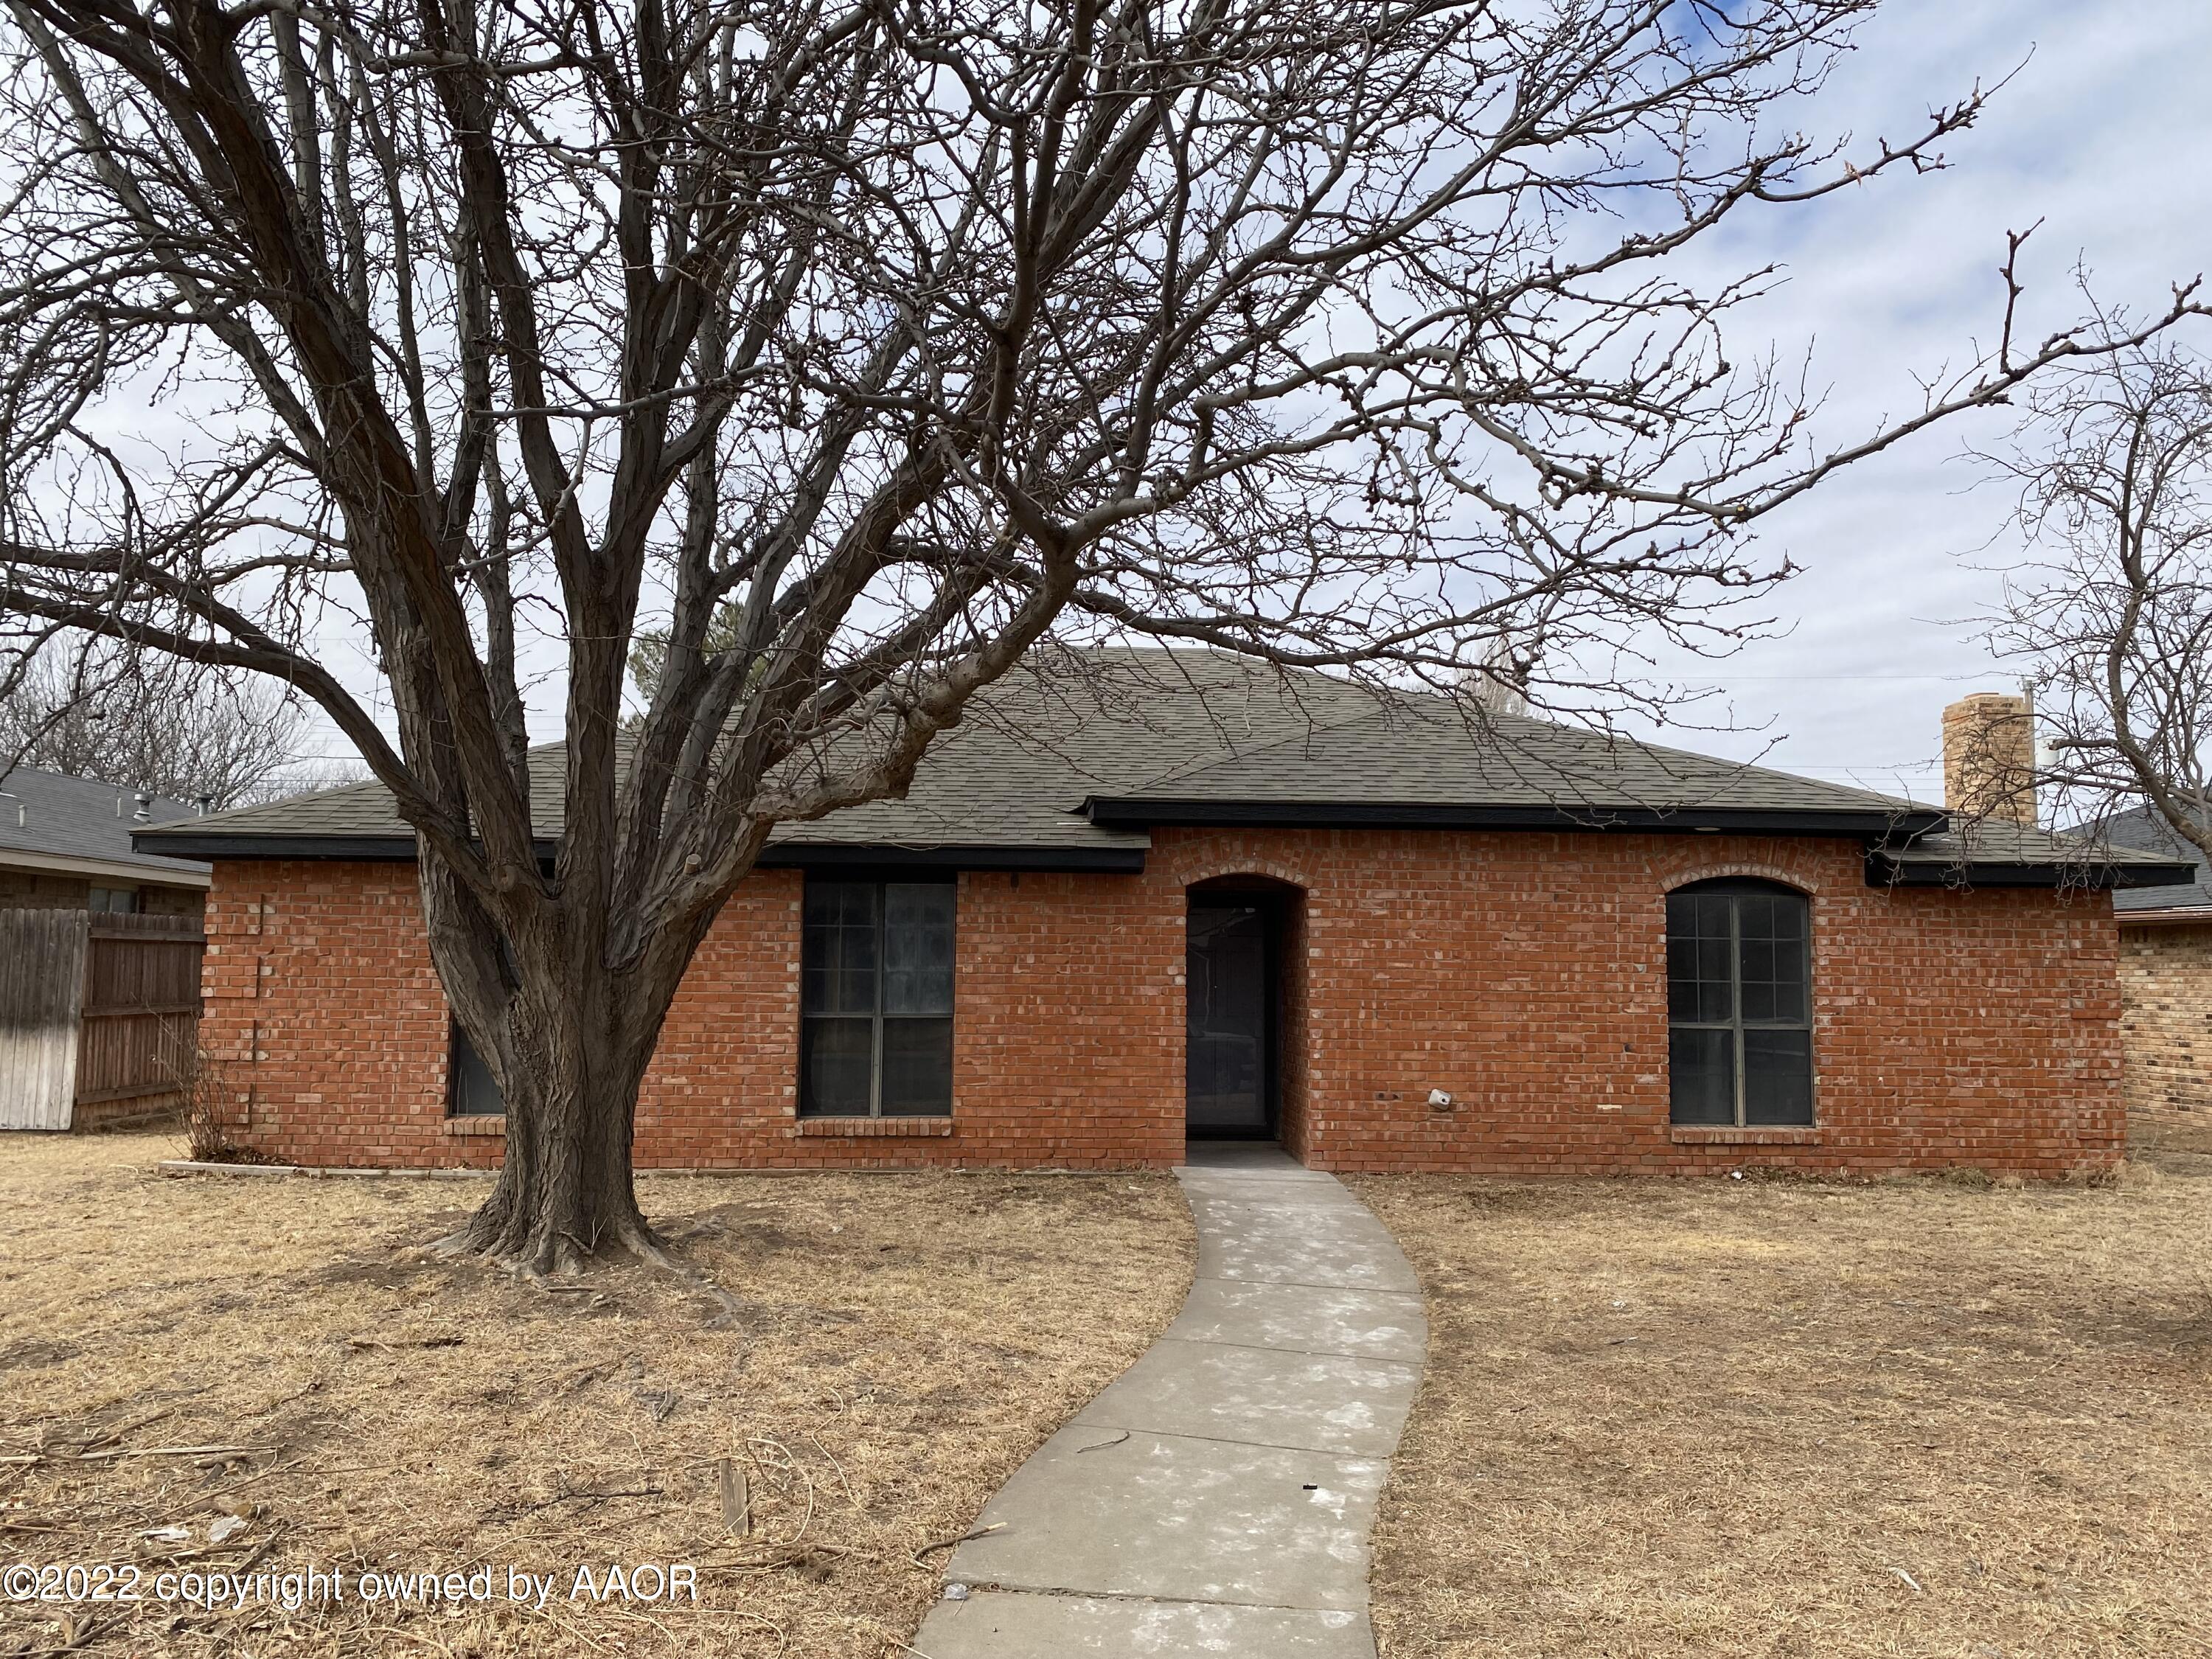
[1989, 758]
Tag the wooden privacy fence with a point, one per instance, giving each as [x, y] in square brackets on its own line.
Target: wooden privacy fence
[99, 1015]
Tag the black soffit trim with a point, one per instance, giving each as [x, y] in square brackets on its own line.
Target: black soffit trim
[1132, 811]
[366, 849]
[1095, 861]
[400, 849]
[1883, 870]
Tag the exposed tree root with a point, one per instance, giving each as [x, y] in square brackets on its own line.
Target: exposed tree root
[641, 1243]
[553, 1254]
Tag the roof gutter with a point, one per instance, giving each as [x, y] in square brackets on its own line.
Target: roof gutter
[1886, 868]
[400, 849]
[824, 855]
[2178, 916]
[17, 858]
[355, 849]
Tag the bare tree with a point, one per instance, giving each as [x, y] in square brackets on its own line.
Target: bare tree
[161, 726]
[909, 333]
[1499, 682]
[2114, 615]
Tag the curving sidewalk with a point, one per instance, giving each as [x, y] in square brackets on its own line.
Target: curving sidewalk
[1215, 1498]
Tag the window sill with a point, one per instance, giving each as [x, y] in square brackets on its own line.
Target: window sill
[1727, 1134]
[867, 1127]
[477, 1124]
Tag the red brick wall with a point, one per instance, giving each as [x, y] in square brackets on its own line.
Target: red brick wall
[1523, 973]
[1067, 1043]
[328, 1031]
[323, 1023]
[1294, 1053]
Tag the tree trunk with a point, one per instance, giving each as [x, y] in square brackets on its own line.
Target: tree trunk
[568, 1038]
[569, 1049]
[565, 1188]
[565, 1193]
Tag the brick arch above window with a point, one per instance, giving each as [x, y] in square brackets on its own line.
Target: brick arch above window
[1797, 880]
[1191, 875]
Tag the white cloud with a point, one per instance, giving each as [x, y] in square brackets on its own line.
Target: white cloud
[2102, 136]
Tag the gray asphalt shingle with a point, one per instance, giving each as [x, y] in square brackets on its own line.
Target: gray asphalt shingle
[2143, 830]
[1128, 730]
[62, 817]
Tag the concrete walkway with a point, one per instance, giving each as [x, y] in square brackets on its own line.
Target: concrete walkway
[1215, 1498]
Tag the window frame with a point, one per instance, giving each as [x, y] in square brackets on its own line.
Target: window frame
[456, 1046]
[882, 880]
[1736, 889]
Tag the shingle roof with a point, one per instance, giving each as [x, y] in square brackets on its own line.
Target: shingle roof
[2144, 831]
[1075, 754]
[1091, 753]
[83, 822]
[1987, 854]
[354, 810]
[1428, 752]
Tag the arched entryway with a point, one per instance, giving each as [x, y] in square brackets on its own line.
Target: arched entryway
[1244, 985]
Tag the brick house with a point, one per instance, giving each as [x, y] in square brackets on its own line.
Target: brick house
[2165, 930]
[65, 845]
[2166, 978]
[1172, 894]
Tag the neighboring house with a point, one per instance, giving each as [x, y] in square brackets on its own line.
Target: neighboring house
[98, 1007]
[65, 845]
[2166, 976]
[1185, 897]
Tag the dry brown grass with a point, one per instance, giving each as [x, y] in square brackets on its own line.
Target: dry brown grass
[902, 1343]
[1736, 1418]
[2150, 1138]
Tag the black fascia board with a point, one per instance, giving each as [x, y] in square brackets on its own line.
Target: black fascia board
[1885, 870]
[400, 849]
[1080, 860]
[1133, 811]
[2154, 875]
[364, 850]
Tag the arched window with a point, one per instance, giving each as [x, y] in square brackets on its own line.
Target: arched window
[1740, 1003]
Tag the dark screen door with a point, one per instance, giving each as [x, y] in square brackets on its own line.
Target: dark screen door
[1227, 1059]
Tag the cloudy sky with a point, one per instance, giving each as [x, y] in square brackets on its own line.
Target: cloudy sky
[2102, 135]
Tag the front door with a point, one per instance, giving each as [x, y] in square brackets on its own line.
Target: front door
[1229, 1062]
